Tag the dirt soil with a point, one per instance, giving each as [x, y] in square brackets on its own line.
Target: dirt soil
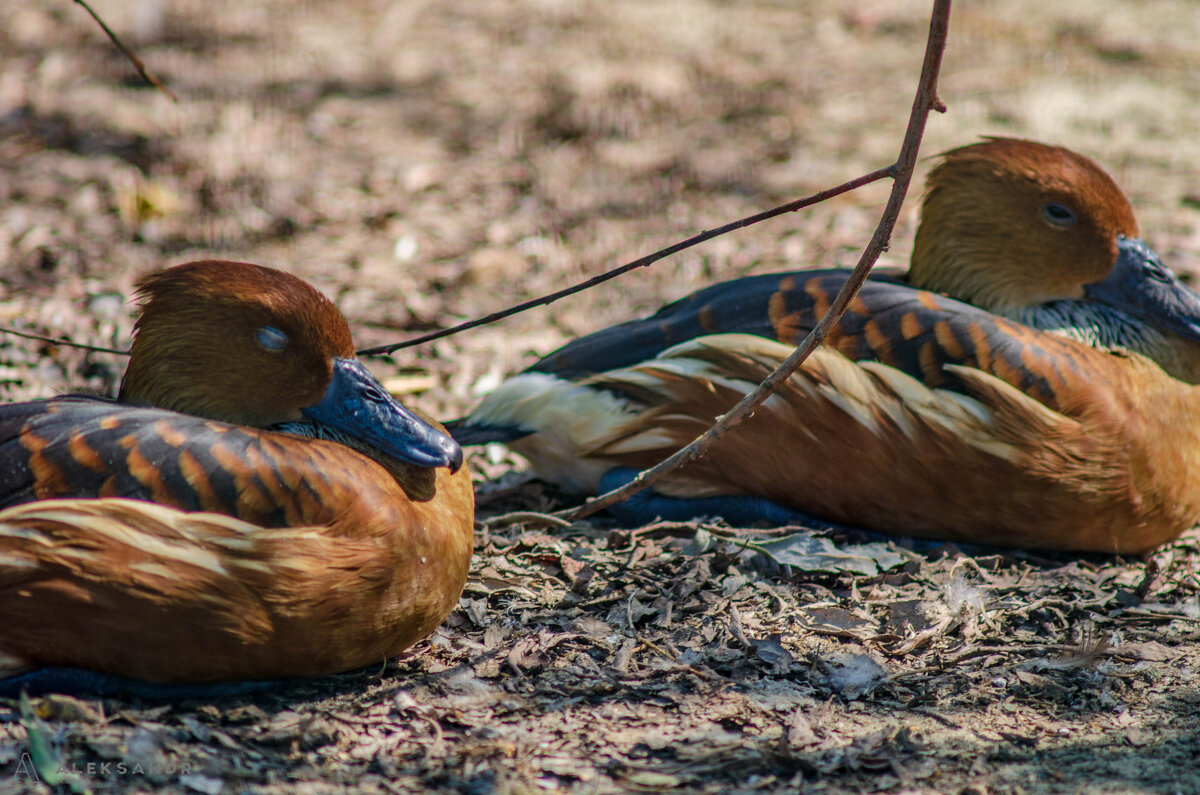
[424, 163]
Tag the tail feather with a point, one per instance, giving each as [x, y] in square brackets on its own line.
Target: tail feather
[466, 431]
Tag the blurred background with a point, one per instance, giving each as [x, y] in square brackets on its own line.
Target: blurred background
[426, 162]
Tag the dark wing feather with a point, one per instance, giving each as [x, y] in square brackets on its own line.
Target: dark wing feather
[912, 330]
[88, 447]
[735, 306]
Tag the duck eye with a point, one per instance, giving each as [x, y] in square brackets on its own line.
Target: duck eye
[1058, 214]
[271, 338]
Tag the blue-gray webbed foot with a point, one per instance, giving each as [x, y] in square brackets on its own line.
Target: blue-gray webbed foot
[78, 682]
[738, 511]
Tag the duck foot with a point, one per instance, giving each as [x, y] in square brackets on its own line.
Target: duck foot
[78, 682]
[648, 506]
[742, 511]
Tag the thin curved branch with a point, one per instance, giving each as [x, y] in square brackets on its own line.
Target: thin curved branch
[925, 101]
[790, 207]
[62, 342]
[133, 59]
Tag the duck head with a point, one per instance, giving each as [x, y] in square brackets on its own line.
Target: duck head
[255, 346]
[1013, 226]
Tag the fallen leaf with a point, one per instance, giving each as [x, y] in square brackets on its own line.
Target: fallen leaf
[1150, 651]
[199, 782]
[837, 621]
[770, 650]
[800, 731]
[1138, 736]
[852, 674]
[807, 552]
[57, 707]
[648, 779]
[526, 656]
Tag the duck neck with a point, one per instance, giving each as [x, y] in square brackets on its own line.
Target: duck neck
[1102, 326]
[949, 264]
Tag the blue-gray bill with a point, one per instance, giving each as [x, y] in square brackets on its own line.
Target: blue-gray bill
[1141, 286]
[357, 404]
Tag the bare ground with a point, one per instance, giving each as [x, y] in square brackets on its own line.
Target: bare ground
[426, 162]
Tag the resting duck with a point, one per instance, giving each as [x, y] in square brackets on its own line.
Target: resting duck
[255, 505]
[1027, 383]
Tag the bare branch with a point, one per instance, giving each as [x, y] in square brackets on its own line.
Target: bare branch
[62, 342]
[790, 207]
[925, 101]
[136, 61]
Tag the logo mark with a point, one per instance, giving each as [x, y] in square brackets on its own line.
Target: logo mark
[27, 770]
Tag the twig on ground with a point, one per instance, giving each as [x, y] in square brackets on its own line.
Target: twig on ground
[527, 518]
[901, 171]
[136, 61]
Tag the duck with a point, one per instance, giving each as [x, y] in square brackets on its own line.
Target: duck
[1030, 381]
[254, 505]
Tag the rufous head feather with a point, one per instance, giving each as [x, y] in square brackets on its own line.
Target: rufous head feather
[233, 341]
[250, 345]
[1008, 223]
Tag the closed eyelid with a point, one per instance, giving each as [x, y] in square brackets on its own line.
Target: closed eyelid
[271, 338]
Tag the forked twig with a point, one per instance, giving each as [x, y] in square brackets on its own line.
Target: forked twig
[901, 171]
[136, 61]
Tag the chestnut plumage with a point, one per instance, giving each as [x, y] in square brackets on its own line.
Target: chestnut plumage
[254, 506]
[1028, 382]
